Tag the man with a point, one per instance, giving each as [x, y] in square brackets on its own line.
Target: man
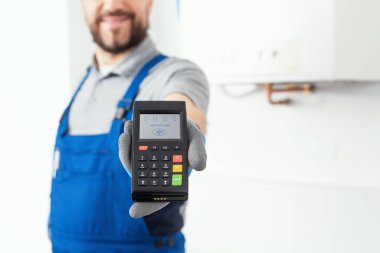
[91, 207]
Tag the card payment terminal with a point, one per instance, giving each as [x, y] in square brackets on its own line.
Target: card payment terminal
[159, 151]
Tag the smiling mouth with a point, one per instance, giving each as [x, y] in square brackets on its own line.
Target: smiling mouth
[115, 21]
[114, 18]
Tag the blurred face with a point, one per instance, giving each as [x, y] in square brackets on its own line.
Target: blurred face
[117, 25]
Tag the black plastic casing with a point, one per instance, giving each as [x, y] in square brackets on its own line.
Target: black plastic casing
[159, 193]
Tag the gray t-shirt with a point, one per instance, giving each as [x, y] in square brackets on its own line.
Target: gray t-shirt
[95, 105]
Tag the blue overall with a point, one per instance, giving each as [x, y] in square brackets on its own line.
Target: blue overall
[91, 193]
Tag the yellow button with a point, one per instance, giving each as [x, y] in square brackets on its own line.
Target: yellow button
[177, 168]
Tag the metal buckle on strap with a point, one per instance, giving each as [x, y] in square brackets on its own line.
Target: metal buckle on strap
[123, 106]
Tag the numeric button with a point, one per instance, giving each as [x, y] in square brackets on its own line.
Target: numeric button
[165, 182]
[142, 173]
[154, 158]
[142, 158]
[154, 174]
[142, 182]
[165, 158]
[153, 166]
[154, 182]
[143, 166]
[165, 174]
[165, 166]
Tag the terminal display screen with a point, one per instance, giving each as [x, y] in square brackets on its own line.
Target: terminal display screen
[160, 126]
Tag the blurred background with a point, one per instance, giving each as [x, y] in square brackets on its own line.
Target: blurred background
[297, 177]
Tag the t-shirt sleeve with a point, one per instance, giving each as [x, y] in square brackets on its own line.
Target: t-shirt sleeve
[188, 79]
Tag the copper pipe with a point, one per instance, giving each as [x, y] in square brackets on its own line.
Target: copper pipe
[270, 89]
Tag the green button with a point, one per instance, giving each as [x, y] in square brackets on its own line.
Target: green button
[177, 180]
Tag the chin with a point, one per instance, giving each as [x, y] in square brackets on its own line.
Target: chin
[116, 37]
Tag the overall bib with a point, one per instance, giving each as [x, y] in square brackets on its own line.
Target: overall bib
[91, 191]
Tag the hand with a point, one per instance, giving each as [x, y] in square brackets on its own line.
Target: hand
[196, 155]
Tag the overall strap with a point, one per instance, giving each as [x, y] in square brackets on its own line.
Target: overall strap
[124, 107]
[65, 116]
[80, 86]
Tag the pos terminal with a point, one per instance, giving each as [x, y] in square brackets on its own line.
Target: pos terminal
[159, 151]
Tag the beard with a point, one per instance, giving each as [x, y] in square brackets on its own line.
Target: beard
[128, 40]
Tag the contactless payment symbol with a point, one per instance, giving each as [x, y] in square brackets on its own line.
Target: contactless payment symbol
[158, 132]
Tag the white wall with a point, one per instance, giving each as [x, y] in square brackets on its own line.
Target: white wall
[303, 178]
[282, 40]
[34, 89]
[81, 46]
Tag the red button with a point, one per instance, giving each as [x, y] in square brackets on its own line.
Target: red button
[143, 148]
[177, 158]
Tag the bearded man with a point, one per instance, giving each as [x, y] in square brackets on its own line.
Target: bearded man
[91, 206]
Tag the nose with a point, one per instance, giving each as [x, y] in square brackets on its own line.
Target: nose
[112, 5]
